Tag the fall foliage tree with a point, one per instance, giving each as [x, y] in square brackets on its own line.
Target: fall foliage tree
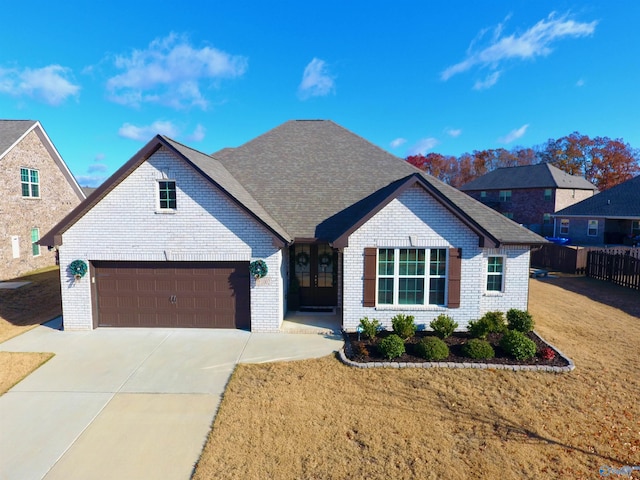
[602, 161]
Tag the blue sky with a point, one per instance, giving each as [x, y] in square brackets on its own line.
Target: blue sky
[410, 76]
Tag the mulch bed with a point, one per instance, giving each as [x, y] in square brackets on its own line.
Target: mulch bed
[353, 350]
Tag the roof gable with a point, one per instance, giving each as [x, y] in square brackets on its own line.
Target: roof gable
[621, 201]
[206, 166]
[12, 132]
[542, 175]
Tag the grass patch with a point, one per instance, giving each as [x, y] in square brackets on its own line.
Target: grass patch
[16, 366]
[321, 419]
[21, 310]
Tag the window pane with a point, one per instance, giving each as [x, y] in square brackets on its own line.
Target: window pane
[385, 290]
[35, 191]
[438, 263]
[167, 194]
[24, 175]
[35, 236]
[495, 265]
[385, 261]
[494, 283]
[34, 176]
[436, 291]
[411, 291]
[25, 190]
[411, 262]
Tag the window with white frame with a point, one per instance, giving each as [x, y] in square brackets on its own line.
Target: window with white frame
[635, 227]
[167, 194]
[505, 195]
[35, 236]
[564, 226]
[412, 276]
[495, 274]
[592, 228]
[30, 181]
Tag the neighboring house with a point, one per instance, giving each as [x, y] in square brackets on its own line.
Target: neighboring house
[340, 223]
[530, 194]
[37, 191]
[610, 217]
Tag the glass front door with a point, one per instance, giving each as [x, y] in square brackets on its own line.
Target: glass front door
[314, 271]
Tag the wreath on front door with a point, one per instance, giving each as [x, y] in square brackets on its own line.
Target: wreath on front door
[325, 259]
[258, 269]
[302, 259]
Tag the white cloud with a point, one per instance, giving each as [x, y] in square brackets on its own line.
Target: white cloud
[398, 142]
[453, 132]
[488, 82]
[97, 167]
[170, 72]
[514, 134]
[91, 180]
[146, 132]
[534, 42]
[50, 84]
[423, 145]
[198, 134]
[316, 80]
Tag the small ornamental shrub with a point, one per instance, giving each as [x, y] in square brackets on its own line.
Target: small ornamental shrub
[391, 347]
[403, 325]
[547, 353]
[432, 348]
[490, 322]
[360, 349]
[519, 320]
[370, 328]
[443, 326]
[476, 348]
[518, 345]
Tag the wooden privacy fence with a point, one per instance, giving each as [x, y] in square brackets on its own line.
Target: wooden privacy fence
[560, 258]
[621, 268]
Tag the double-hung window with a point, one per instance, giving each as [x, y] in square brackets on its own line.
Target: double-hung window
[167, 195]
[412, 276]
[564, 226]
[592, 228]
[495, 274]
[505, 195]
[35, 247]
[635, 227]
[30, 181]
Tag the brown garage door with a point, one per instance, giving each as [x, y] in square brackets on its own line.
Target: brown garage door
[175, 294]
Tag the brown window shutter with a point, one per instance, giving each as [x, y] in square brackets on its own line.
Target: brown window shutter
[455, 270]
[370, 258]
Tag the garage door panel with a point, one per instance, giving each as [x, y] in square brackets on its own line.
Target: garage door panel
[173, 294]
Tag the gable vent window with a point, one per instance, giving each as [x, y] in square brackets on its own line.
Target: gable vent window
[30, 180]
[167, 194]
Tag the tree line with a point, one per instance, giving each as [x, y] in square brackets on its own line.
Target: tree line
[601, 160]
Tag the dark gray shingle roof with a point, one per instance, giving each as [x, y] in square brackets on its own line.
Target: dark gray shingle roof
[11, 131]
[316, 179]
[621, 201]
[542, 175]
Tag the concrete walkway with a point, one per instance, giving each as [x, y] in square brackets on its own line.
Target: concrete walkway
[127, 403]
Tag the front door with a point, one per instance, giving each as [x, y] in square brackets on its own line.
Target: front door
[314, 268]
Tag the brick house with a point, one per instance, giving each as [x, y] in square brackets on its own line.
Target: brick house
[171, 238]
[611, 217]
[37, 191]
[530, 194]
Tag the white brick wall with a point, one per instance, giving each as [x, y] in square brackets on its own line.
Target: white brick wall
[207, 226]
[416, 214]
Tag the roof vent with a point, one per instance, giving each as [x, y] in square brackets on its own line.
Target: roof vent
[608, 202]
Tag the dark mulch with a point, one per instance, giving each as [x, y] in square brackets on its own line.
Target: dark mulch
[354, 350]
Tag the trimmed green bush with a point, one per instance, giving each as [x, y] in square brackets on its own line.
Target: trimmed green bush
[370, 328]
[518, 345]
[404, 325]
[519, 320]
[490, 322]
[432, 348]
[443, 325]
[392, 346]
[476, 348]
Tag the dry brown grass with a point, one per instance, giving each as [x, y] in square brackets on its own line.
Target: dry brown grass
[23, 309]
[15, 366]
[321, 419]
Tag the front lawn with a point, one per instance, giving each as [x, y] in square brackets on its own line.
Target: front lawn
[322, 419]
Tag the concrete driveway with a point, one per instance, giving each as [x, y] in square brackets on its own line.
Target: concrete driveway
[127, 403]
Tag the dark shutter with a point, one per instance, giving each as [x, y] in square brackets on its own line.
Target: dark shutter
[455, 268]
[370, 256]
